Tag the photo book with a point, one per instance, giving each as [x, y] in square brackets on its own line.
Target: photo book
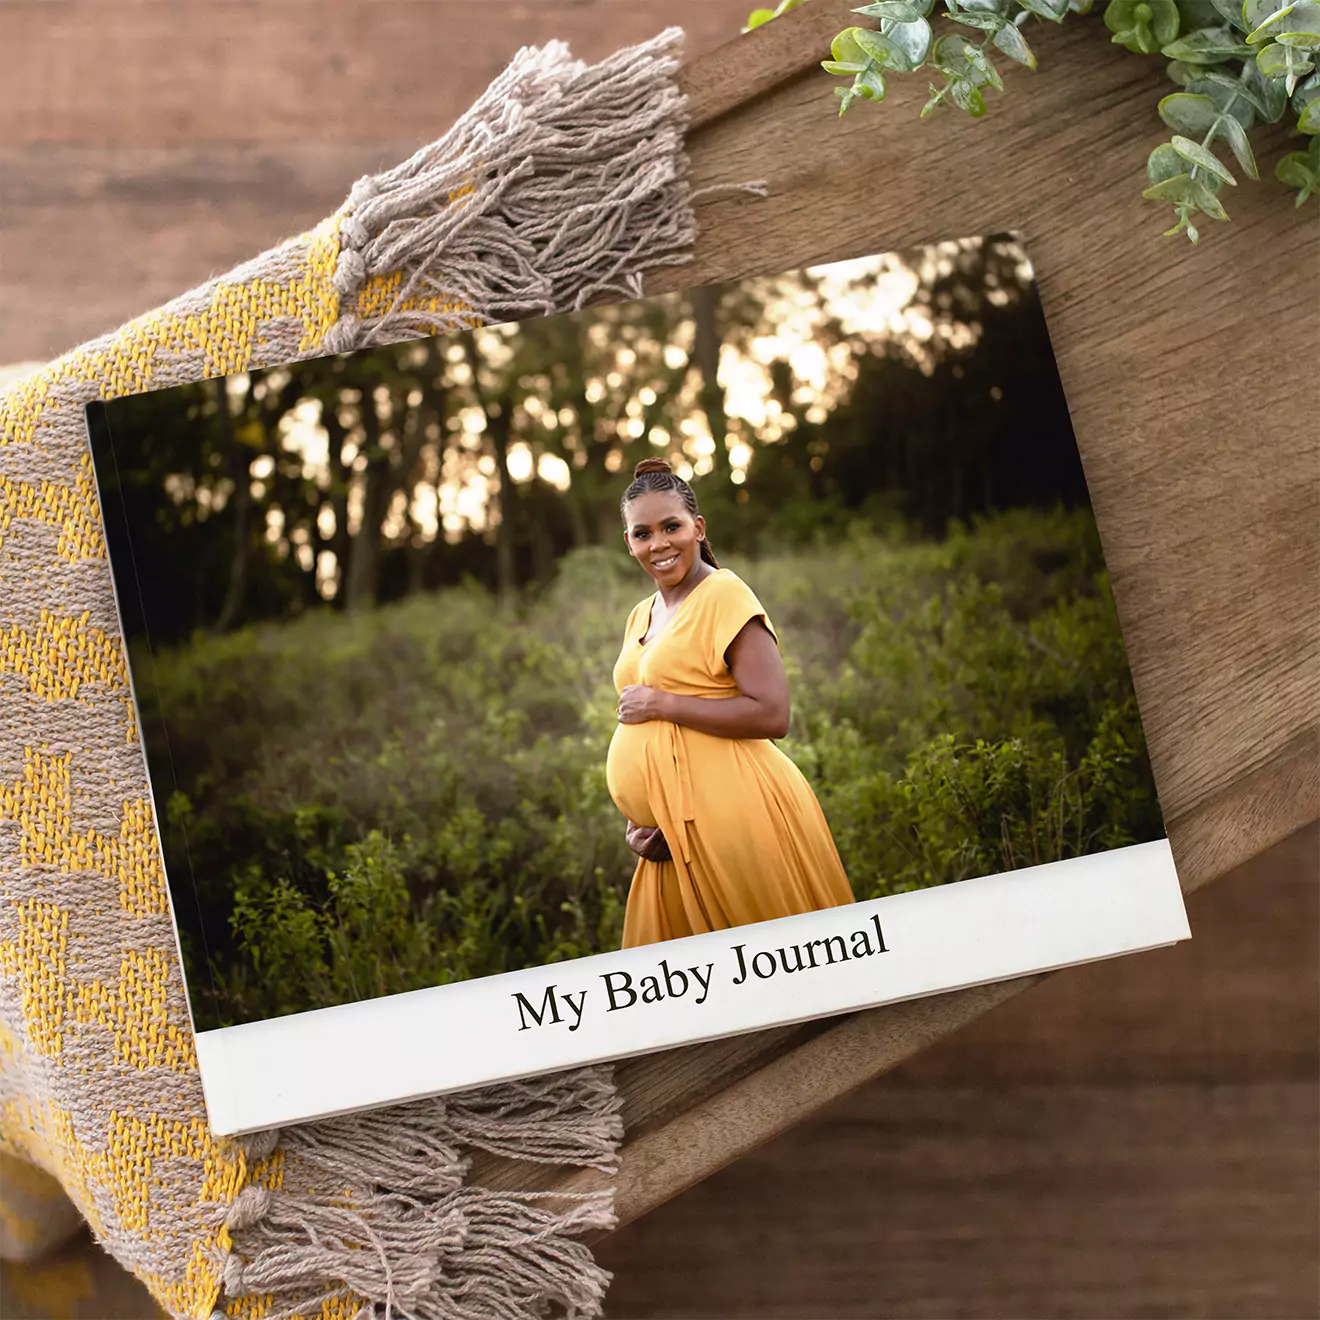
[547, 693]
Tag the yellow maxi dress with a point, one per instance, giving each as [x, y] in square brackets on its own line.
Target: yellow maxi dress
[747, 838]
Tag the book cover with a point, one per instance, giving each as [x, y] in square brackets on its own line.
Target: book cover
[552, 692]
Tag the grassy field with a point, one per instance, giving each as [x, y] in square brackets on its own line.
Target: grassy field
[416, 795]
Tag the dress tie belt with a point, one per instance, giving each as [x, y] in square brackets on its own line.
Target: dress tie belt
[670, 770]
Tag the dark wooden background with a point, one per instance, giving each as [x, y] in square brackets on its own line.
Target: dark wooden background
[1131, 1139]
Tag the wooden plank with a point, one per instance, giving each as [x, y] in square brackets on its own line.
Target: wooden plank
[1213, 552]
[159, 72]
[146, 146]
[1236, 1003]
[139, 224]
[980, 1203]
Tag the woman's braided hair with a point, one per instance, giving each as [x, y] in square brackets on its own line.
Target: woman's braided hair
[653, 476]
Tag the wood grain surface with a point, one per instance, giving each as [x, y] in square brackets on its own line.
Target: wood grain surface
[149, 144]
[144, 146]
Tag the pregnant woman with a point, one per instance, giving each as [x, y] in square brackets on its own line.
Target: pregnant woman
[727, 829]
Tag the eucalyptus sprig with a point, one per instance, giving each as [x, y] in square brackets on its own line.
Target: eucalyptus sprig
[1235, 63]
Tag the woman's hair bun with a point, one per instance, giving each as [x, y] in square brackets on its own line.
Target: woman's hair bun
[651, 465]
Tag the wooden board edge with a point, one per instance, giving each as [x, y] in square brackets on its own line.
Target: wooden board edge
[753, 63]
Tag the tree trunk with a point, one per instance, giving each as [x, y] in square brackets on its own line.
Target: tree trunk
[706, 352]
[497, 427]
[239, 462]
[499, 418]
[338, 541]
[589, 481]
[364, 550]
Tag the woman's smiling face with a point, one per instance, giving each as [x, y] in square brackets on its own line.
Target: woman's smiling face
[663, 536]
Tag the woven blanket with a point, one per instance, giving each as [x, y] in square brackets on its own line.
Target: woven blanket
[563, 184]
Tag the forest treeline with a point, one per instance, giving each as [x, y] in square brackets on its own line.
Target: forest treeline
[366, 478]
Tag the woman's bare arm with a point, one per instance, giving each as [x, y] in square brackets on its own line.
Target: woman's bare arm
[761, 710]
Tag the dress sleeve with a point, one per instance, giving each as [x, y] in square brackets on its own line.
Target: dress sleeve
[731, 606]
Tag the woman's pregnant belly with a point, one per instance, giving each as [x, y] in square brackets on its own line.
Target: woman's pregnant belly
[625, 770]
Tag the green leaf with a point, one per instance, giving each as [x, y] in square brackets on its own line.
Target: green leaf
[1202, 157]
[947, 56]
[1205, 198]
[1197, 14]
[1268, 26]
[1294, 24]
[847, 95]
[1293, 171]
[1309, 122]
[1283, 62]
[1301, 170]
[1272, 61]
[1236, 136]
[967, 96]
[902, 11]
[985, 22]
[1208, 46]
[951, 56]
[1164, 163]
[759, 17]
[883, 51]
[843, 70]
[1307, 90]
[1306, 41]
[1272, 99]
[1256, 12]
[1184, 191]
[1227, 94]
[986, 75]
[845, 49]
[937, 94]
[1143, 25]
[913, 39]
[1139, 40]
[1231, 12]
[1240, 145]
[1263, 95]
[1192, 232]
[1189, 113]
[1181, 73]
[870, 84]
[1054, 10]
[1176, 189]
[1010, 40]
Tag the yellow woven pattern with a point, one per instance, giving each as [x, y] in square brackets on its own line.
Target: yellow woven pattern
[70, 506]
[96, 980]
[55, 656]
[41, 804]
[377, 296]
[224, 329]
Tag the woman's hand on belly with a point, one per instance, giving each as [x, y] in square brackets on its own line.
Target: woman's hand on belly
[648, 843]
[640, 705]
